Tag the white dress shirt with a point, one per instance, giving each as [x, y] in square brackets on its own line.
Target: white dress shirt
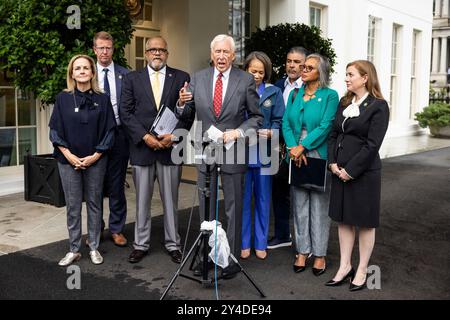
[112, 86]
[288, 87]
[161, 75]
[225, 78]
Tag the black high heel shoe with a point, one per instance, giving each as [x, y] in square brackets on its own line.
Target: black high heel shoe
[298, 269]
[317, 272]
[333, 283]
[354, 287]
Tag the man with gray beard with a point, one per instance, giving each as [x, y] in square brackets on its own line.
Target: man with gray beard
[144, 93]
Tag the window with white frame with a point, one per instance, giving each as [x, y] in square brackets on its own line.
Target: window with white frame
[414, 65]
[395, 48]
[18, 133]
[315, 16]
[239, 25]
[372, 38]
[146, 13]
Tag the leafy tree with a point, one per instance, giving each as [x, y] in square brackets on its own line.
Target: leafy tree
[37, 44]
[276, 41]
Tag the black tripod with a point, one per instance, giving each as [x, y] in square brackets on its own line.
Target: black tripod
[202, 240]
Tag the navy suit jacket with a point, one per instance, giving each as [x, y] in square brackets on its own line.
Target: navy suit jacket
[119, 73]
[138, 111]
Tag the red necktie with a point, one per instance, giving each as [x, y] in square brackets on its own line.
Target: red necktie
[218, 95]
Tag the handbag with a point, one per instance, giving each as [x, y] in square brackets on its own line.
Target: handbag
[311, 177]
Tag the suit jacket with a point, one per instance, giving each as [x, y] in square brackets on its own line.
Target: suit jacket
[316, 117]
[119, 73]
[354, 144]
[239, 109]
[138, 111]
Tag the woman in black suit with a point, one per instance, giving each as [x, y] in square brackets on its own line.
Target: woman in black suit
[358, 131]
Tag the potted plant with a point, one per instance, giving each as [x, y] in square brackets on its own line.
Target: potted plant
[437, 117]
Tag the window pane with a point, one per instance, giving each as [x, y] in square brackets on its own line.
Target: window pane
[318, 12]
[7, 147]
[27, 142]
[139, 47]
[148, 12]
[139, 64]
[26, 108]
[6, 78]
[311, 16]
[7, 108]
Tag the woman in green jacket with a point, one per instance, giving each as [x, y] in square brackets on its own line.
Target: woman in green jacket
[306, 126]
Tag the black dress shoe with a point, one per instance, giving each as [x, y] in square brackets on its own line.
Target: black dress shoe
[175, 255]
[137, 256]
[298, 269]
[333, 283]
[231, 271]
[317, 272]
[354, 287]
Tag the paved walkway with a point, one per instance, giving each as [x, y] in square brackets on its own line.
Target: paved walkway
[25, 225]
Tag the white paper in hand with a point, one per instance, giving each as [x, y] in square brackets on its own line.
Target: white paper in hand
[217, 136]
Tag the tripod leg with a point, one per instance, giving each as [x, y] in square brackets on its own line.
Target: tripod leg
[181, 266]
[262, 294]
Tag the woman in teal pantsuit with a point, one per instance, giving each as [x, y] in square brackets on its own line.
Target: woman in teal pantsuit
[306, 126]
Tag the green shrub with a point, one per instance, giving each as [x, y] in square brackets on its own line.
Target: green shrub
[36, 44]
[436, 115]
[276, 41]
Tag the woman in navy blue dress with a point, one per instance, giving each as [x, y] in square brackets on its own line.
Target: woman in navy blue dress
[81, 131]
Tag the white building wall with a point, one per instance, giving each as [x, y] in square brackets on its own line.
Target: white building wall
[347, 25]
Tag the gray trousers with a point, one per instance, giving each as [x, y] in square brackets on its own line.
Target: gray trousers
[144, 180]
[77, 184]
[311, 220]
[233, 193]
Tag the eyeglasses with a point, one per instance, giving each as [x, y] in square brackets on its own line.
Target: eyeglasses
[308, 69]
[108, 49]
[156, 50]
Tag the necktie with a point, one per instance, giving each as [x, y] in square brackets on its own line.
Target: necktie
[106, 87]
[217, 101]
[156, 88]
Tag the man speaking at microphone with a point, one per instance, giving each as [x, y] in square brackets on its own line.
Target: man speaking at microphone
[225, 97]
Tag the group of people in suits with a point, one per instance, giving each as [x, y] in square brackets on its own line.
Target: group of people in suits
[102, 121]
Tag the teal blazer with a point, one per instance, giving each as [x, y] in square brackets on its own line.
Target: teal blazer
[316, 115]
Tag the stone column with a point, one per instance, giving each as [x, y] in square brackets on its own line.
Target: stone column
[435, 62]
[444, 12]
[443, 64]
[437, 8]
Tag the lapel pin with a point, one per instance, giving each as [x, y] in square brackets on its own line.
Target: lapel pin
[95, 104]
[120, 76]
[365, 104]
[170, 74]
[320, 99]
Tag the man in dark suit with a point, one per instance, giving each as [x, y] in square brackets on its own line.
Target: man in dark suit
[144, 92]
[225, 97]
[295, 61]
[110, 76]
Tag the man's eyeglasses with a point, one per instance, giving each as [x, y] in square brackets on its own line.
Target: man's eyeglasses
[156, 50]
[108, 49]
[308, 68]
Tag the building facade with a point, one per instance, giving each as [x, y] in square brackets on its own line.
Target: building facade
[440, 63]
[395, 35]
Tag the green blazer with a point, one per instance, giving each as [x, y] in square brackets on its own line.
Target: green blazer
[316, 116]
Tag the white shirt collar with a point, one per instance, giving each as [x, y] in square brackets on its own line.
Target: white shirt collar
[297, 83]
[161, 71]
[100, 67]
[225, 74]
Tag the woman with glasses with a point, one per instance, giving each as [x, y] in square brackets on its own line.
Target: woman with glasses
[358, 131]
[81, 131]
[258, 179]
[306, 127]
